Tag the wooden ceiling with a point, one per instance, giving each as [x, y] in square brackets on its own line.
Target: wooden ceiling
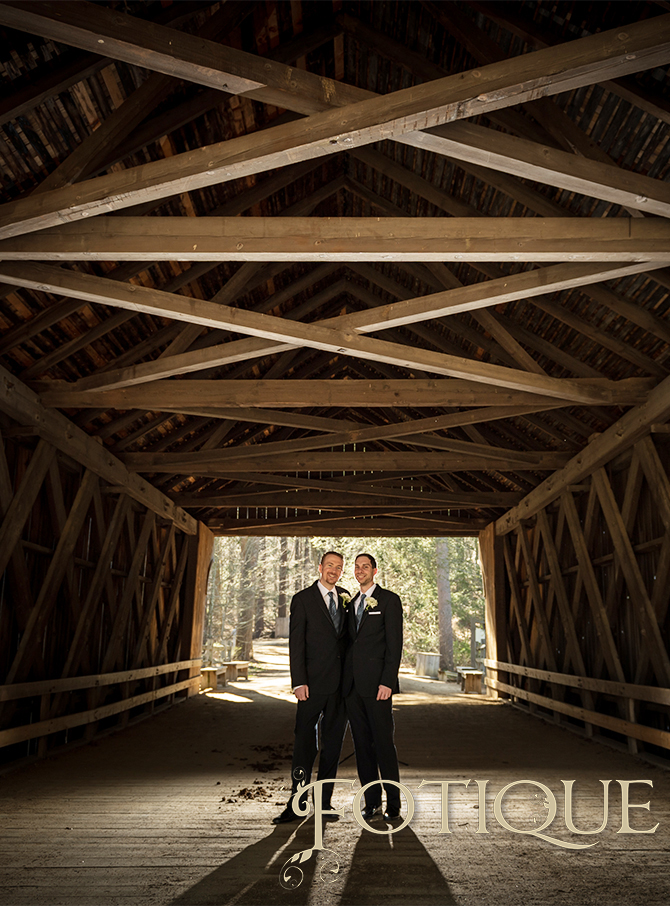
[337, 267]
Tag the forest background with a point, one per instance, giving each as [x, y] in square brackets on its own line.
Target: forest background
[252, 580]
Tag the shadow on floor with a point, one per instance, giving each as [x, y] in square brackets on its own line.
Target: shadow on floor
[383, 872]
[394, 870]
[252, 877]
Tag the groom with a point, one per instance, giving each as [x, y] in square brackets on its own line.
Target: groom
[370, 679]
[317, 642]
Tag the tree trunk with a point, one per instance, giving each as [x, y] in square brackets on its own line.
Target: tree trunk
[281, 623]
[246, 613]
[283, 577]
[444, 605]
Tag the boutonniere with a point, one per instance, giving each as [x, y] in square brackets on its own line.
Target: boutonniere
[345, 599]
[370, 603]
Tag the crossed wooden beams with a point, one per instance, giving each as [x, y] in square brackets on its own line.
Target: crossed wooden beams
[341, 335]
[104, 596]
[496, 86]
[597, 555]
[357, 118]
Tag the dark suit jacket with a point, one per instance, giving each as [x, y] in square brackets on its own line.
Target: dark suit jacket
[316, 650]
[375, 649]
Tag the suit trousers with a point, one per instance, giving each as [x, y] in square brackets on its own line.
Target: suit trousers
[372, 727]
[330, 710]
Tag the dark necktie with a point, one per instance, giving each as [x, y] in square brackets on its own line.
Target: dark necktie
[334, 615]
[360, 611]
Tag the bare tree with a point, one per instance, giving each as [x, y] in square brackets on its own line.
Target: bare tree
[446, 634]
[248, 578]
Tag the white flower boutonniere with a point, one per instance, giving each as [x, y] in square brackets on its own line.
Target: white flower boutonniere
[370, 603]
[345, 599]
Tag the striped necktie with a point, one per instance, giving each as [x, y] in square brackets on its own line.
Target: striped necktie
[361, 611]
[334, 615]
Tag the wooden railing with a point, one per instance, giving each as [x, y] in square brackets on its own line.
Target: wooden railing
[625, 691]
[46, 688]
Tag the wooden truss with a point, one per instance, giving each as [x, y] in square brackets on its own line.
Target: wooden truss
[454, 327]
[98, 584]
[586, 586]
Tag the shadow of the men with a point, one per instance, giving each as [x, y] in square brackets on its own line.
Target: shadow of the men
[397, 872]
[252, 877]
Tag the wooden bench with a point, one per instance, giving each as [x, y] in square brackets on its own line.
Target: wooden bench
[210, 676]
[236, 670]
[227, 672]
[470, 679]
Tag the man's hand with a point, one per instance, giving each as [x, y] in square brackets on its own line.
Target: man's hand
[302, 692]
[384, 693]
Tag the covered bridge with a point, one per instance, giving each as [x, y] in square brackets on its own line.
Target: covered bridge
[333, 267]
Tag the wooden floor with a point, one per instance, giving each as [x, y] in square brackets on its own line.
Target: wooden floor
[178, 809]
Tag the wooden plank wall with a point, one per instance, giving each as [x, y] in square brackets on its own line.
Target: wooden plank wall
[101, 601]
[581, 635]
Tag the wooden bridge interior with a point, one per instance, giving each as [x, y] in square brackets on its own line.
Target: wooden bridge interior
[343, 268]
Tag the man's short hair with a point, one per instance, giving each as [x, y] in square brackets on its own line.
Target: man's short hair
[331, 554]
[370, 558]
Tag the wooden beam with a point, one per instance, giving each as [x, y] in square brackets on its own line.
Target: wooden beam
[219, 457]
[176, 54]
[316, 500]
[412, 431]
[368, 461]
[18, 509]
[46, 598]
[614, 239]
[421, 187]
[539, 38]
[633, 426]
[180, 396]
[372, 526]
[125, 118]
[25, 407]
[152, 596]
[461, 96]
[408, 311]
[344, 487]
[627, 561]
[505, 153]
[332, 441]
[91, 606]
[119, 627]
[81, 718]
[601, 337]
[617, 725]
[208, 314]
[559, 126]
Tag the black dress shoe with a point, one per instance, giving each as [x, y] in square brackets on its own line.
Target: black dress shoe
[287, 815]
[329, 817]
[391, 814]
[370, 811]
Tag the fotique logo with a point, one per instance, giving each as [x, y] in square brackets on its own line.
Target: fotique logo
[291, 875]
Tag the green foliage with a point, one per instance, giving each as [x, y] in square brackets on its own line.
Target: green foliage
[467, 593]
[406, 566]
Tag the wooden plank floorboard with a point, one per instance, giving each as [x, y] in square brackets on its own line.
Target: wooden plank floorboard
[158, 814]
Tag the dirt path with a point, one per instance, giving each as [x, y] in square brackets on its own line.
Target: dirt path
[178, 809]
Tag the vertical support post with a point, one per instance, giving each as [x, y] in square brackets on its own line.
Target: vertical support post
[497, 610]
[195, 595]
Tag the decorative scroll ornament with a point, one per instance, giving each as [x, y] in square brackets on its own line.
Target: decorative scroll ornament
[291, 875]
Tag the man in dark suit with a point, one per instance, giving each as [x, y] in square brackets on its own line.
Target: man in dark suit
[317, 642]
[370, 679]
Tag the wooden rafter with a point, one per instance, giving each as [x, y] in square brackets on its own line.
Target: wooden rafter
[201, 397]
[550, 71]
[350, 239]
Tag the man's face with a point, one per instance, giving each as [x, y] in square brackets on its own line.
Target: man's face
[364, 572]
[331, 570]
